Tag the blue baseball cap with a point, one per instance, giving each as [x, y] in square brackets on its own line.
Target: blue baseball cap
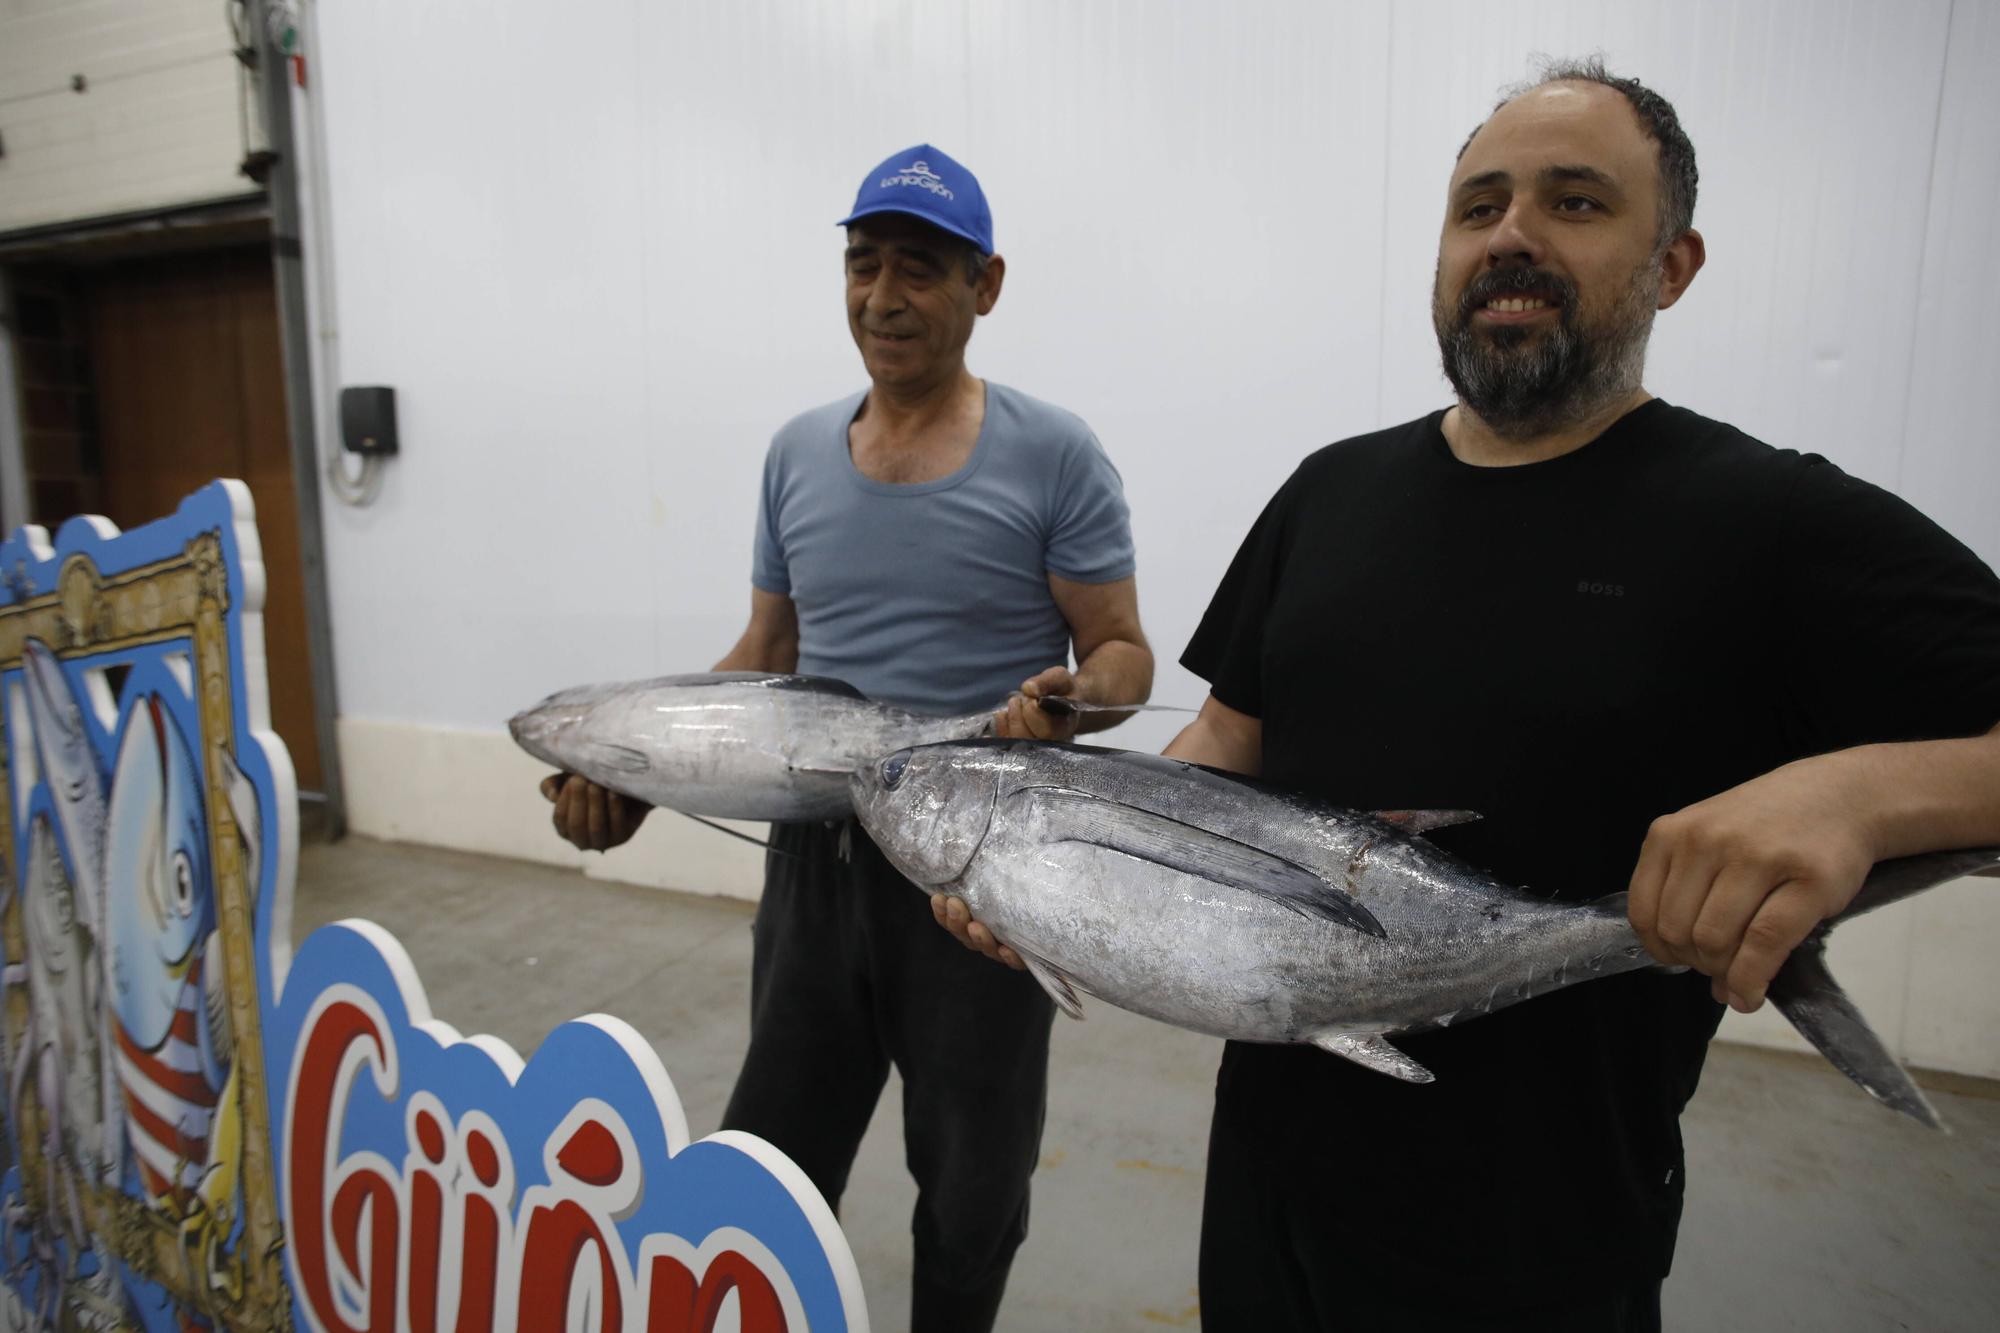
[929, 185]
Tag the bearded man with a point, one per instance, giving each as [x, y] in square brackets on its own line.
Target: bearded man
[1654, 653]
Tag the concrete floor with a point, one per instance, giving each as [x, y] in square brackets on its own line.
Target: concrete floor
[1809, 1207]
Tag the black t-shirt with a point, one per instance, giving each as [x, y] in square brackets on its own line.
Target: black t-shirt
[1571, 648]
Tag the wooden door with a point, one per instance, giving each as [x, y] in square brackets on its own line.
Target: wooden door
[188, 380]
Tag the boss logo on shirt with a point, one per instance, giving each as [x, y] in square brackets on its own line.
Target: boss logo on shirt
[1595, 589]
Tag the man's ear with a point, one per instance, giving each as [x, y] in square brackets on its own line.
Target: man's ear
[987, 289]
[1678, 265]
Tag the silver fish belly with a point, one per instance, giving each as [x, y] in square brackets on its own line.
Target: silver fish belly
[1119, 905]
[1184, 949]
[1215, 903]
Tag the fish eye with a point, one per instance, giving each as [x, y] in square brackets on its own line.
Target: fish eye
[892, 768]
[183, 884]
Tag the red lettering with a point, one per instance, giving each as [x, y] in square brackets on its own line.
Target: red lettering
[591, 1155]
[670, 1296]
[426, 1241]
[557, 1237]
[479, 1266]
[370, 1197]
[756, 1299]
[467, 1252]
[676, 1304]
[479, 1237]
[318, 1095]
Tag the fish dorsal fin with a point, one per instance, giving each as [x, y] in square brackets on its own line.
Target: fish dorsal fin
[1075, 816]
[1423, 821]
[1806, 993]
[1053, 980]
[770, 680]
[832, 685]
[1375, 1053]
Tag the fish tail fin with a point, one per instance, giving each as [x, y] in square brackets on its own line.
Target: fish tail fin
[1893, 881]
[1806, 993]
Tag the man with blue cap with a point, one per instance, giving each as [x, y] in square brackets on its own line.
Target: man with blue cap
[937, 541]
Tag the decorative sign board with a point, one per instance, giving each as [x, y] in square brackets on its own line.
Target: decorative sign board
[202, 1131]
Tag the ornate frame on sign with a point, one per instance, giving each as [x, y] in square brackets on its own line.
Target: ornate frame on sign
[224, 1133]
[185, 597]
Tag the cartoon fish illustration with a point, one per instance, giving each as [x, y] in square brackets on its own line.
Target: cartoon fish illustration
[57, 1052]
[63, 1047]
[168, 1018]
[70, 772]
[140, 859]
[60, 1045]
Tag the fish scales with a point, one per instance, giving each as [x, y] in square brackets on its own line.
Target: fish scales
[1233, 963]
[1215, 903]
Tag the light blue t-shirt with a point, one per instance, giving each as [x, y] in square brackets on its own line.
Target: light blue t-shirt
[935, 595]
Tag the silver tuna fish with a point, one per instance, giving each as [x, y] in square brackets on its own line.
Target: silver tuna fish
[728, 744]
[1214, 903]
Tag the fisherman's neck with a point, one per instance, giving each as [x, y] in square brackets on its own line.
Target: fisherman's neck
[912, 416]
[1475, 442]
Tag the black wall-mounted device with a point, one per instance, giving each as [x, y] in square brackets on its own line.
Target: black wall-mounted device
[368, 420]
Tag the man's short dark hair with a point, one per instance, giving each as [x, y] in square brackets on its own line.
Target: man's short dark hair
[1657, 118]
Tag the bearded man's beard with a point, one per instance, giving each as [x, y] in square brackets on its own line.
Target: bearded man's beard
[1525, 382]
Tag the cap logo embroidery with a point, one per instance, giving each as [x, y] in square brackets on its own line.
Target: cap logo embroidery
[918, 173]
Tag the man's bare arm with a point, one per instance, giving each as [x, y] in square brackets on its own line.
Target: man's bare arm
[1222, 738]
[1114, 662]
[770, 641]
[1731, 885]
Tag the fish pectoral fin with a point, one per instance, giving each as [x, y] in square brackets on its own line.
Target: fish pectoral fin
[1423, 821]
[1374, 1052]
[1806, 993]
[1055, 981]
[617, 758]
[1074, 816]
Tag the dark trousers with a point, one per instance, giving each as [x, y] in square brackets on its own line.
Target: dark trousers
[1274, 1259]
[850, 974]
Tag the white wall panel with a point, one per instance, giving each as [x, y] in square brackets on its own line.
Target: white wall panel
[1189, 190]
[157, 124]
[488, 235]
[1950, 463]
[1951, 471]
[592, 247]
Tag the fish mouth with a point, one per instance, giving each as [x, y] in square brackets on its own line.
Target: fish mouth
[530, 731]
[538, 729]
